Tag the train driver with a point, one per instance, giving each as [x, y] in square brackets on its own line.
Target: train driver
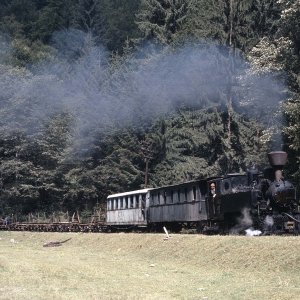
[214, 199]
[212, 191]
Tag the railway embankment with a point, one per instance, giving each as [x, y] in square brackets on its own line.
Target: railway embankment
[148, 266]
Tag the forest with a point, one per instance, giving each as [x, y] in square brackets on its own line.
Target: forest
[106, 96]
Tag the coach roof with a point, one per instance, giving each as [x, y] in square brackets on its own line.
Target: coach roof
[143, 191]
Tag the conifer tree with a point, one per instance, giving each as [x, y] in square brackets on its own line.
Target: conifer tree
[56, 15]
[161, 20]
[195, 146]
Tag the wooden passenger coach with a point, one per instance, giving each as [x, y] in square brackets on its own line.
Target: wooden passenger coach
[174, 206]
[128, 208]
[178, 203]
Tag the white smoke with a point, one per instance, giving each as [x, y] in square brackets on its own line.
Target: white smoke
[252, 232]
[269, 221]
[243, 222]
[156, 81]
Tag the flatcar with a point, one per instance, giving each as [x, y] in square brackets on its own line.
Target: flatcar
[265, 202]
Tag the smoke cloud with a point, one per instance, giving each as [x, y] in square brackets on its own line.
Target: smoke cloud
[243, 222]
[81, 80]
[251, 232]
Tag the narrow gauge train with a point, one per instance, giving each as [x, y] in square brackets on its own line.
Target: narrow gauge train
[233, 203]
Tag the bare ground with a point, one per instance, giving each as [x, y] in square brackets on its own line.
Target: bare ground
[145, 266]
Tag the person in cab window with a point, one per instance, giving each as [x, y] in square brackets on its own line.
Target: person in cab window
[215, 201]
[212, 190]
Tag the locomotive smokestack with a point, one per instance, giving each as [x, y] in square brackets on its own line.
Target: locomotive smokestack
[278, 160]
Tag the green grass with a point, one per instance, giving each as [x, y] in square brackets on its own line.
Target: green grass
[144, 266]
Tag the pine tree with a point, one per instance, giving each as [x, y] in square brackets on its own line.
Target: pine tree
[195, 146]
[119, 162]
[90, 18]
[56, 15]
[161, 20]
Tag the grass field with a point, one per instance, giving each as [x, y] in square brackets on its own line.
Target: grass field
[144, 266]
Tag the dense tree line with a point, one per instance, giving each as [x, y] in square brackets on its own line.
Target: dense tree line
[158, 121]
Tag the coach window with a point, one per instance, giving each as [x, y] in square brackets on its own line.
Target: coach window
[115, 204]
[172, 196]
[158, 198]
[185, 194]
[194, 193]
[131, 201]
[178, 195]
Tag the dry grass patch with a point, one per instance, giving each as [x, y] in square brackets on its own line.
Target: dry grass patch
[144, 266]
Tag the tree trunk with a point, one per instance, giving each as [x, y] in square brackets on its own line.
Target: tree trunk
[146, 172]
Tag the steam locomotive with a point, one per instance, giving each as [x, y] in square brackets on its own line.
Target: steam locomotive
[264, 203]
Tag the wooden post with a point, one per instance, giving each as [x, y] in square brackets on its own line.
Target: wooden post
[167, 233]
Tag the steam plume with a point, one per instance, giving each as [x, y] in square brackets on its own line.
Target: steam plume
[243, 222]
[81, 80]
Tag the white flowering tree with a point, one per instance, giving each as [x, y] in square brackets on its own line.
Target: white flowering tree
[282, 54]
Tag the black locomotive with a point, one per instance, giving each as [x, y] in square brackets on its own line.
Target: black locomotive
[265, 202]
[259, 203]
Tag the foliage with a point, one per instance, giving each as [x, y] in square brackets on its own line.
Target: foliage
[168, 113]
[193, 145]
[161, 19]
[111, 22]
[281, 53]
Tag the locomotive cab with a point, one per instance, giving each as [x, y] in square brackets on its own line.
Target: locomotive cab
[235, 194]
[231, 194]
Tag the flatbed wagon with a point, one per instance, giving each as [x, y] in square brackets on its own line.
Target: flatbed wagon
[56, 227]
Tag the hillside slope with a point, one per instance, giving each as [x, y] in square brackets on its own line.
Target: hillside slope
[145, 266]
